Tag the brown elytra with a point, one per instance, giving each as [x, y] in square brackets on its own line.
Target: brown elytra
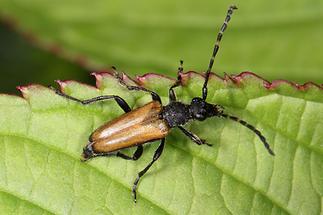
[130, 129]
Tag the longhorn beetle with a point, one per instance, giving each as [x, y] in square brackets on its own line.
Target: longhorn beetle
[153, 121]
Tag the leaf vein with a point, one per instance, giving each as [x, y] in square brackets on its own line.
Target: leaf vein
[17, 196]
[77, 158]
[247, 184]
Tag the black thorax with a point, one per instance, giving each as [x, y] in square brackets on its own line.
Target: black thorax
[176, 113]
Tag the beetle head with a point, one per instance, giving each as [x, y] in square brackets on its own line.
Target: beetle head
[87, 152]
[200, 109]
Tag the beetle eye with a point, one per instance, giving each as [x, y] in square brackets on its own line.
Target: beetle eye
[197, 100]
[194, 100]
[200, 116]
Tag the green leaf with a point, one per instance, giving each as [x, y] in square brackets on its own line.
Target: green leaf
[42, 136]
[276, 39]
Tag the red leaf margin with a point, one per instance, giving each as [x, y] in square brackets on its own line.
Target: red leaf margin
[141, 81]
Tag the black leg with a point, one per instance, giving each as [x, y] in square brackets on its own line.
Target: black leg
[157, 154]
[216, 48]
[252, 128]
[136, 155]
[154, 95]
[194, 137]
[122, 103]
[171, 93]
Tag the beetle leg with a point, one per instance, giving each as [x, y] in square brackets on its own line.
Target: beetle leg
[171, 93]
[154, 95]
[157, 154]
[194, 137]
[121, 102]
[136, 155]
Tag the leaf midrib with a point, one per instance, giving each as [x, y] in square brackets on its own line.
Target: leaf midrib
[126, 186]
[35, 141]
[59, 150]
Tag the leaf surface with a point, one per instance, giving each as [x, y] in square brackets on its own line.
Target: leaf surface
[42, 136]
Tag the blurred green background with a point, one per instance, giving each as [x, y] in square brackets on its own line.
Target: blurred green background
[22, 63]
[274, 39]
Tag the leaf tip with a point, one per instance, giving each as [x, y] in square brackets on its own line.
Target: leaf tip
[98, 78]
[62, 84]
[28, 89]
[277, 83]
[142, 79]
[23, 90]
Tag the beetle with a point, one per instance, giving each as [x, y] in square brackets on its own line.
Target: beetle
[153, 121]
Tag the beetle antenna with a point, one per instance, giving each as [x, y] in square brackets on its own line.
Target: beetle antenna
[252, 128]
[216, 48]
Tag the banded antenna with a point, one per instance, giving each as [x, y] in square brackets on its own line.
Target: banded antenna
[216, 48]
